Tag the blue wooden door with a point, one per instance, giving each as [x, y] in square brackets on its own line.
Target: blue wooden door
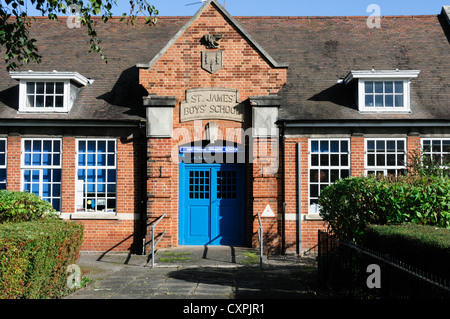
[212, 204]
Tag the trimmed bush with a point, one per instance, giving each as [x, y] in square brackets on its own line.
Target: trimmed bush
[425, 247]
[350, 204]
[34, 257]
[22, 206]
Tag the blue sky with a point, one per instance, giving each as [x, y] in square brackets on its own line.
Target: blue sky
[294, 7]
[305, 7]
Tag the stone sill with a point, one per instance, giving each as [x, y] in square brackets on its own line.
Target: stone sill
[313, 217]
[109, 216]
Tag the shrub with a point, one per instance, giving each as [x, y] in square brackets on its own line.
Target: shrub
[22, 206]
[350, 204]
[34, 257]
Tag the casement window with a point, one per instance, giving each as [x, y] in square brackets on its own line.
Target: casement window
[3, 158]
[382, 91]
[384, 94]
[96, 175]
[41, 169]
[45, 95]
[438, 150]
[329, 161]
[385, 156]
[48, 92]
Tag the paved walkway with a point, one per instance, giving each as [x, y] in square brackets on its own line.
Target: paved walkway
[198, 273]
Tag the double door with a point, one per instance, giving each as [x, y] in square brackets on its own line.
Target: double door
[212, 205]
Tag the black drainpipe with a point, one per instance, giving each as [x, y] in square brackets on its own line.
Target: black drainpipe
[143, 182]
[283, 179]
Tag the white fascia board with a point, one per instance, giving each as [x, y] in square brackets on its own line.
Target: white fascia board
[381, 74]
[31, 75]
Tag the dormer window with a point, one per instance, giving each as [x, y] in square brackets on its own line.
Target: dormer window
[383, 91]
[48, 91]
[45, 95]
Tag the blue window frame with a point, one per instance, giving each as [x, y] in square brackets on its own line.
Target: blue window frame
[3, 157]
[97, 175]
[42, 170]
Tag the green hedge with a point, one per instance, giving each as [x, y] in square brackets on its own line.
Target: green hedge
[425, 247]
[350, 204]
[34, 257]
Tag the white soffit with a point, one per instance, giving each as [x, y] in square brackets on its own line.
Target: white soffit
[54, 75]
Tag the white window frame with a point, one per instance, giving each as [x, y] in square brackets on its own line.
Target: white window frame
[5, 166]
[80, 187]
[315, 209]
[441, 153]
[384, 169]
[40, 168]
[23, 98]
[362, 96]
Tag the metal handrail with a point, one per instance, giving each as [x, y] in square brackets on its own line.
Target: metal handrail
[153, 237]
[261, 244]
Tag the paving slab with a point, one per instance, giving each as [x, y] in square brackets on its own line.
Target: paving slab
[188, 272]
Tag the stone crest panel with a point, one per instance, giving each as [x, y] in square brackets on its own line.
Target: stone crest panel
[212, 61]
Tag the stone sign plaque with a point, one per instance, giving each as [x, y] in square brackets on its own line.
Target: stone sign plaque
[211, 104]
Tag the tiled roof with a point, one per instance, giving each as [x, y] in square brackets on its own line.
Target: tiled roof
[319, 51]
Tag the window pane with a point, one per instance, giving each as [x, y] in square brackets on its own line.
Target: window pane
[324, 161]
[323, 146]
[314, 146]
[391, 159]
[378, 100]
[334, 175]
[390, 146]
[344, 146]
[39, 87]
[369, 100]
[371, 146]
[371, 159]
[378, 87]
[380, 160]
[39, 101]
[59, 88]
[334, 160]
[59, 101]
[400, 146]
[398, 87]
[446, 145]
[30, 87]
[344, 160]
[380, 146]
[314, 160]
[388, 87]
[30, 101]
[368, 87]
[334, 146]
[49, 87]
[389, 100]
[314, 175]
[399, 101]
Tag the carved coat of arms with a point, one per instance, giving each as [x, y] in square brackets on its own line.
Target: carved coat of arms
[212, 61]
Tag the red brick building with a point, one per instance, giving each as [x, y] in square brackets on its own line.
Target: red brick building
[211, 120]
